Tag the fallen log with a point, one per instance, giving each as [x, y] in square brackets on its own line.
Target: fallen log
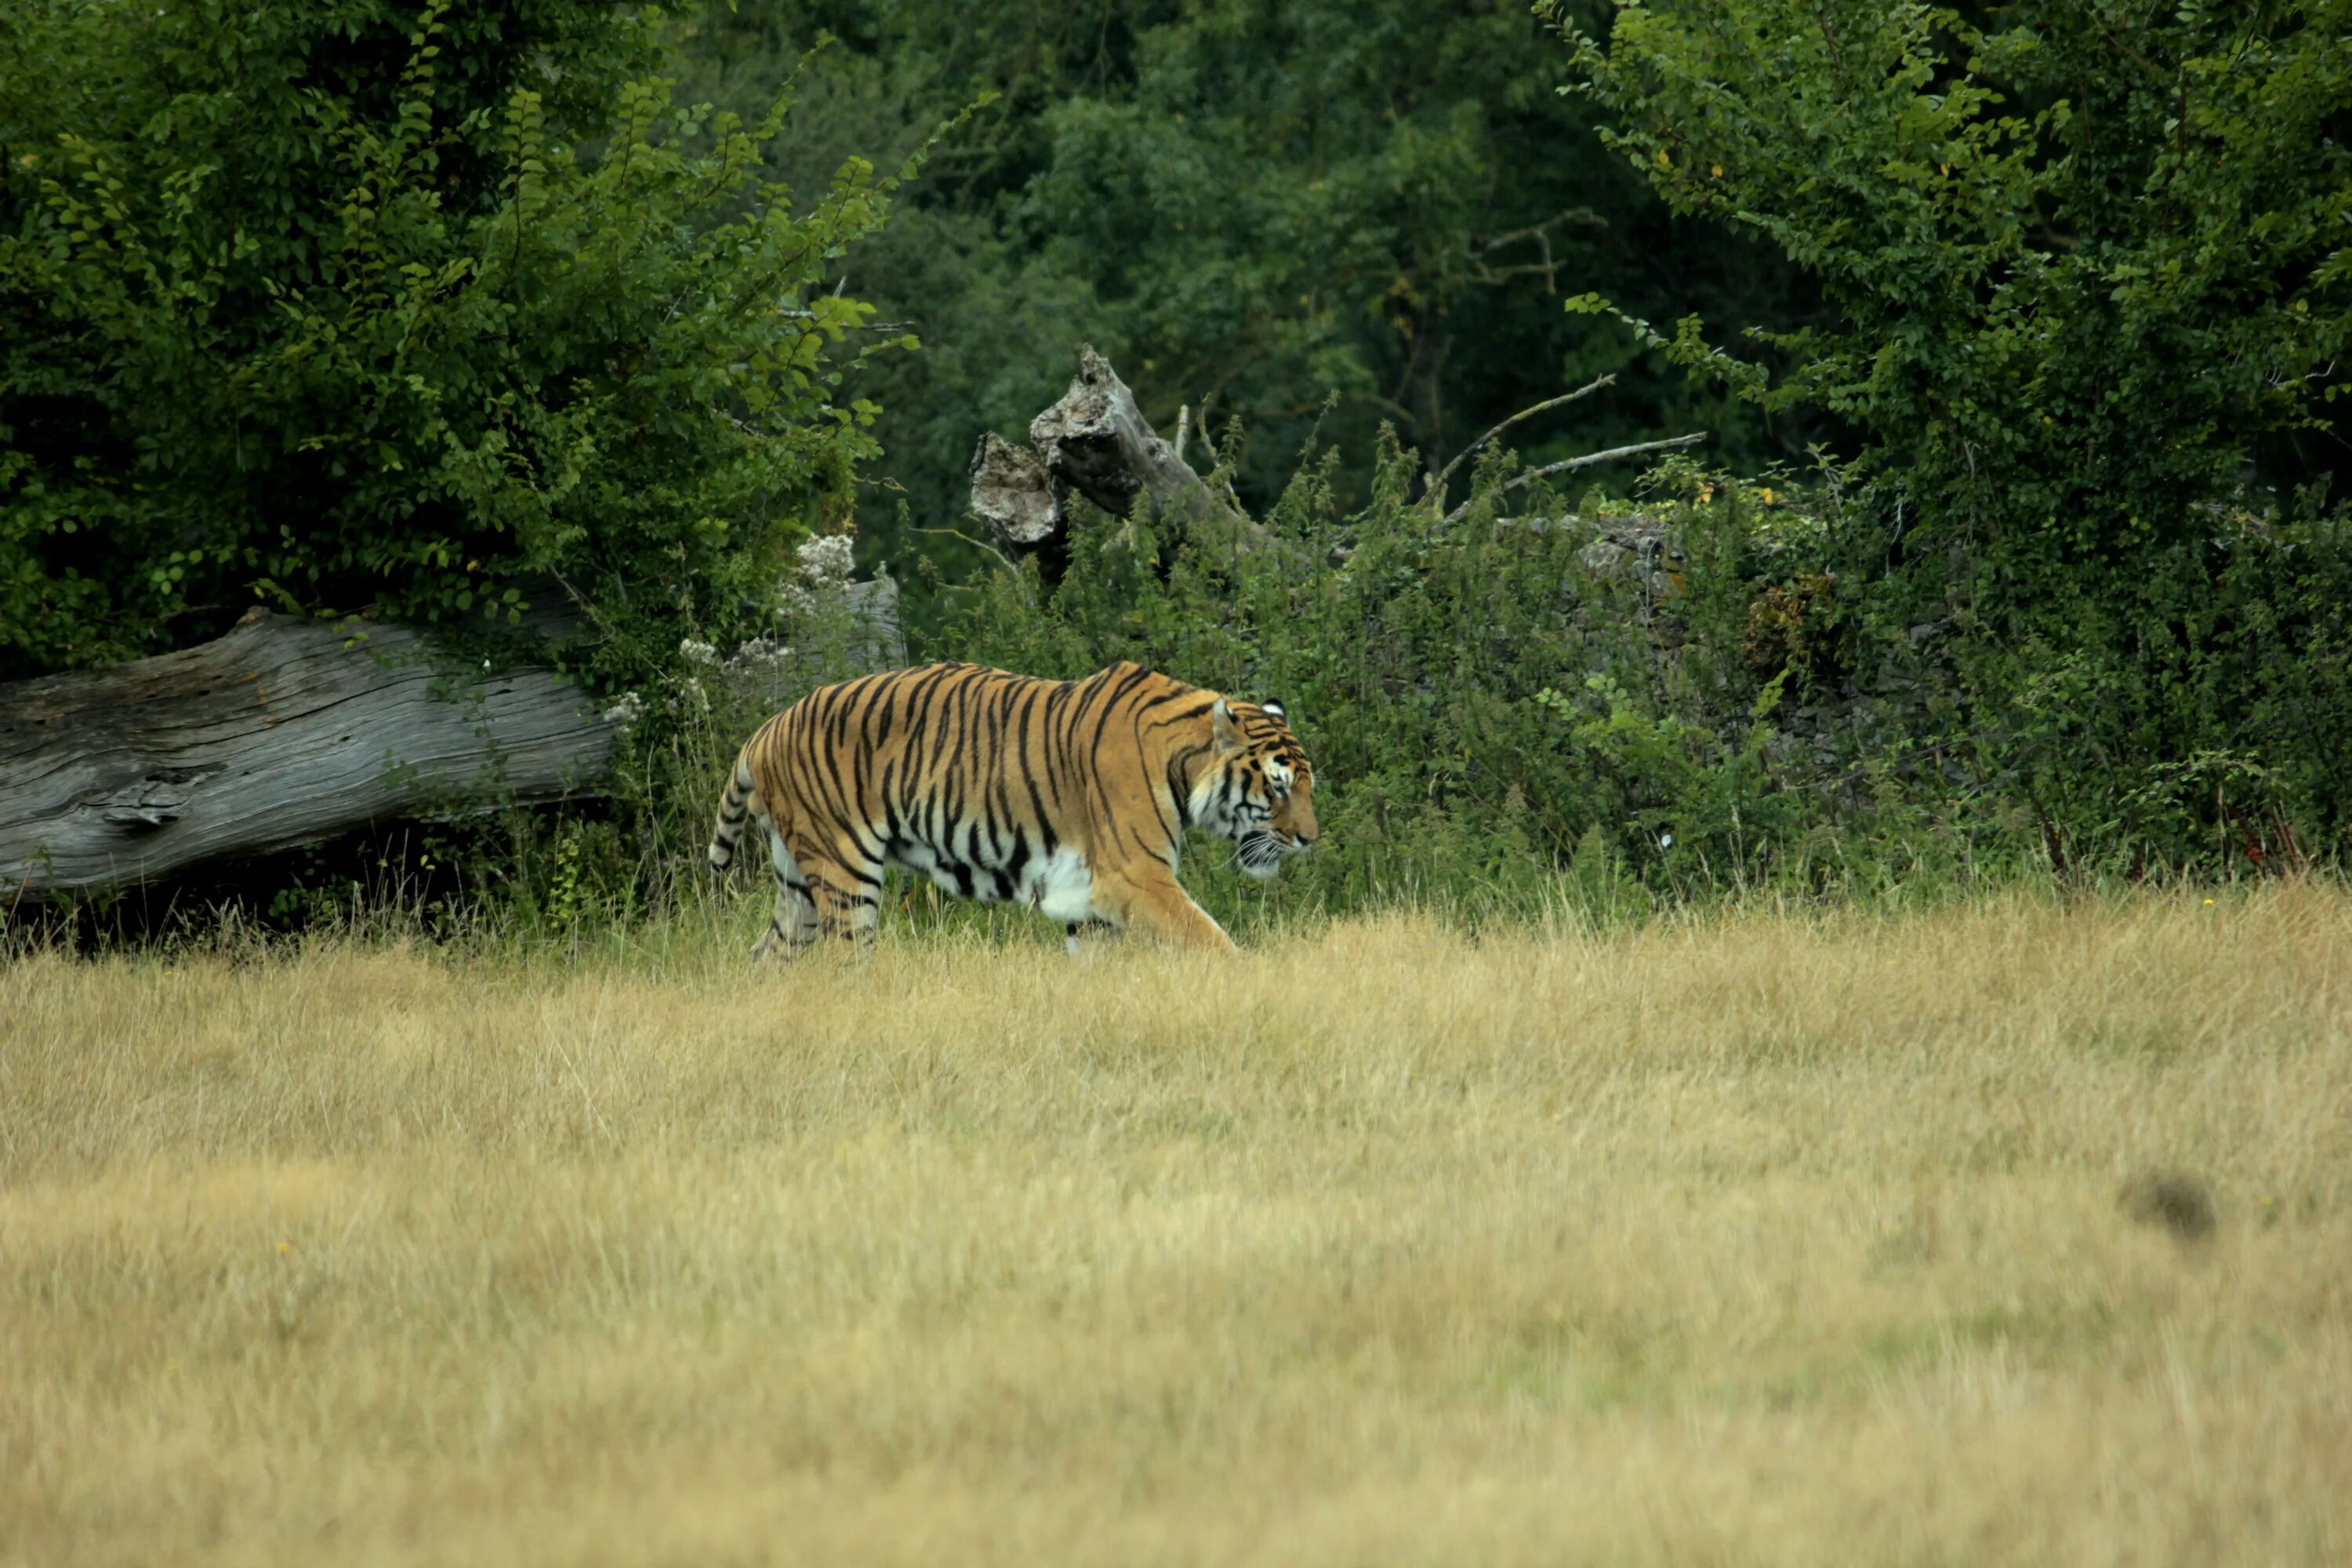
[288, 731]
[283, 732]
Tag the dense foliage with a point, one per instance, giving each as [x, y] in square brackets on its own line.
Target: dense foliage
[1306, 217]
[2092, 288]
[322, 306]
[2089, 258]
[2074, 595]
[2017, 328]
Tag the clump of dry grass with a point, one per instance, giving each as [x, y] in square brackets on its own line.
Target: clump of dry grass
[1760, 1239]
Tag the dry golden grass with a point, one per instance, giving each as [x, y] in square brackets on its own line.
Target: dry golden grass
[1758, 1240]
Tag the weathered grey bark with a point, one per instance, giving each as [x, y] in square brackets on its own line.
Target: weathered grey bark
[1095, 441]
[1013, 492]
[283, 732]
[854, 630]
[288, 731]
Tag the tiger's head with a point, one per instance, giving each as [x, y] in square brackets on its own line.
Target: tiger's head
[1258, 790]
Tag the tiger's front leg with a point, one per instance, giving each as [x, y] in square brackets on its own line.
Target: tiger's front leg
[1092, 926]
[1149, 898]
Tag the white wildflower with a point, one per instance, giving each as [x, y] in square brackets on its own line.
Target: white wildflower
[697, 651]
[759, 653]
[626, 712]
[828, 558]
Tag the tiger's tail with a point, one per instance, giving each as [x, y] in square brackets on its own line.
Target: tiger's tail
[734, 806]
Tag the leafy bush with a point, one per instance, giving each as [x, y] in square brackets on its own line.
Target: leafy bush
[416, 307]
[2094, 298]
[2088, 262]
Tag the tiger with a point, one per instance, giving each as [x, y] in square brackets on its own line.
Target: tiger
[1070, 796]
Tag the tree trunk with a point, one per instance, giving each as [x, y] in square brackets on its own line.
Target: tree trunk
[288, 731]
[283, 732]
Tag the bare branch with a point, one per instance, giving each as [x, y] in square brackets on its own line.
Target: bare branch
[1012, 491]
[1002, 559]
[1547, 269]
[1435, 494]
[1586, 461]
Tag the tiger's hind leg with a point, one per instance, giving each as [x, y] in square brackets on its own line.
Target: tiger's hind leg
[847, 892]
[794, 923]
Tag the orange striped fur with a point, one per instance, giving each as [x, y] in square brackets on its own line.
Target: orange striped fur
[1070, 796]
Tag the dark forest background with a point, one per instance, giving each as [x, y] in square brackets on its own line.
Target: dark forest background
[1309, 221]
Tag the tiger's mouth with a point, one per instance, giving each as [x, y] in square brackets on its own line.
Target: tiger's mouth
[1260, 852]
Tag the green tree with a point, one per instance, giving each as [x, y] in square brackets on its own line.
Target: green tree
[405, 305]
[1256, 210]
[2090, 265]
[2089, 257]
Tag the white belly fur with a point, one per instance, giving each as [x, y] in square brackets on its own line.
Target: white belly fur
[1059, 887]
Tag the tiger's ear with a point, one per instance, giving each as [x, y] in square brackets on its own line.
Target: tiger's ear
[1273, 710]
[1223, 728]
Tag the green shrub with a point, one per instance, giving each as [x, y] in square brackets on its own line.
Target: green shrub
[2090, 265]
[321, 306]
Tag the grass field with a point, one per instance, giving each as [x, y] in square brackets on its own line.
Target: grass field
[1757, 1240]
